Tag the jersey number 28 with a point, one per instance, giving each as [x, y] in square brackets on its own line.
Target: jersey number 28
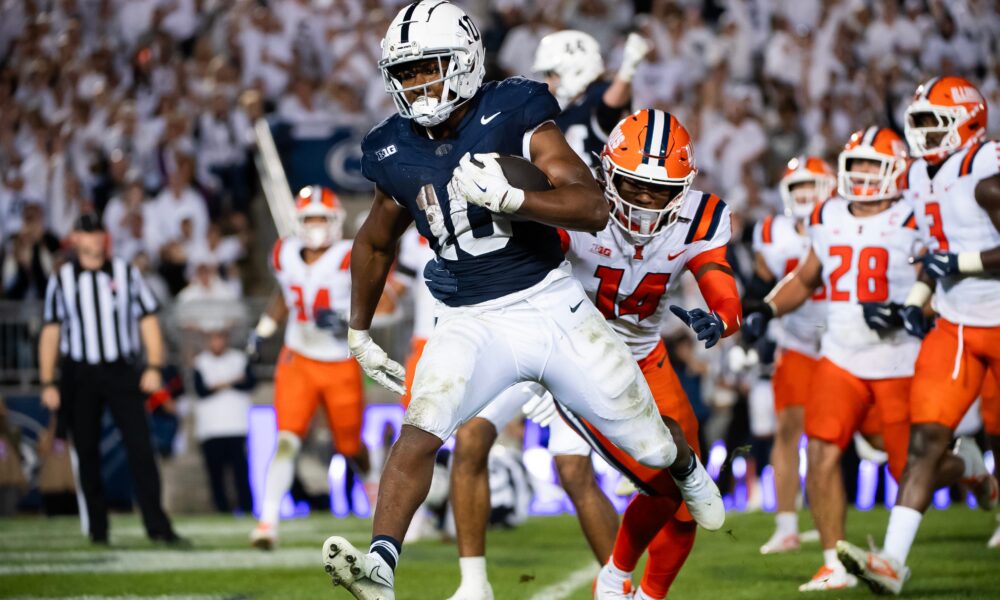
[873, 268]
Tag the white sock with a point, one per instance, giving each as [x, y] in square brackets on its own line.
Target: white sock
[473, 571]
[903, 525]
[831, 561]
[787, 523]
[642, 594]
[280, 473]
[613, 576]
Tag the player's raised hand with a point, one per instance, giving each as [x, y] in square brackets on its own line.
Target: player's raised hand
[939, 264]
[480, 181]
[882, 317]
[636, 48]
[440, 281]
[375, 362]
[707, 326]
[540, 406]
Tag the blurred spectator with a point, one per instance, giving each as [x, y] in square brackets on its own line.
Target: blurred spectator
[300, 109]
[179, 202]
[206, 284]
[28, 257]
[224, 142]
[223, 381]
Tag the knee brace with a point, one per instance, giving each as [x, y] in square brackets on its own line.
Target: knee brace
[288, 445]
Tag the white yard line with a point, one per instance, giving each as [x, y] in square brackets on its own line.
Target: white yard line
[562, 589]
[150, 561]
[178, 597]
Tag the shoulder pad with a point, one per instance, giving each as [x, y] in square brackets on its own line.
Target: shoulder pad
[706, 219]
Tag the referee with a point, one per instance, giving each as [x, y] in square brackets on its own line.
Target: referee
[97, 309]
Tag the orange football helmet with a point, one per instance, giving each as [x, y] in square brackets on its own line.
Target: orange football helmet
[959, 116]
[318, 201]
[647, 147]
[879, 145]
[800, 200]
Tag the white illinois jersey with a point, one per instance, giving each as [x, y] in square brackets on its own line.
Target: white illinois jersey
[414, 252]
[627, 282]
[326, 283]
[946, 200]
[866, 259]
[782, 247]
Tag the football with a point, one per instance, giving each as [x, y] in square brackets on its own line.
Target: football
[523, 174]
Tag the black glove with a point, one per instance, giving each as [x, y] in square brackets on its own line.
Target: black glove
[882, 317]
[708, 326]
[756, 315]
[766, 351]
[913, 320]
[253, 346]
[939, 264]
[330, 320]
[439, 279]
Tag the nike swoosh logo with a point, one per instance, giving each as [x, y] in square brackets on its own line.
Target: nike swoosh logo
[673, 256]
[485, 120]
[659, 365]
[481, 188]
[572, 309]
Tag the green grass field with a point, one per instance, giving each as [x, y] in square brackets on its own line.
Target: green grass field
[546, 558]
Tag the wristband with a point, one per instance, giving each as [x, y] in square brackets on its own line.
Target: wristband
[52, 383]
[266, 327]
[970, 262]
[772, 307]
[919, 294]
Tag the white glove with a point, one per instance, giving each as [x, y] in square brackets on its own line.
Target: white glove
[540, 407]
[375, 362]
[636, 49]
[484, 185]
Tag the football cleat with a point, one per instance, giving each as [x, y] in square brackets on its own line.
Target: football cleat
[982, 483]
[882, 573]
[264, 537]
[781, 542]
[995, 539]
[470, 592]
[609, 587]
[364, 575]
[703, 499]
[829, 579]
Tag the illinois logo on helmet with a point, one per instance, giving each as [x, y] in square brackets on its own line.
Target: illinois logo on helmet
[647, 167]
[320, 217]
[871, 165]
[808, 180]
[946, 114]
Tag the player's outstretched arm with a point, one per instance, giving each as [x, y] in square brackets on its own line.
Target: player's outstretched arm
[372, 255]
[576, 202]
[790, 293]
[718, 287]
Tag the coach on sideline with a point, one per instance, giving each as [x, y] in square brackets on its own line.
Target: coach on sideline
[96, 310]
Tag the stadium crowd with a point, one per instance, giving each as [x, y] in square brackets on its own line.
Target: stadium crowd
[141, 110]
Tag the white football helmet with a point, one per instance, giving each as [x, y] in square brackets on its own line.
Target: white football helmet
[572, 55]
[318, 201]
[433, 29]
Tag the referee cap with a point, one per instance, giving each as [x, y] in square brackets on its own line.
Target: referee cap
[88, 223]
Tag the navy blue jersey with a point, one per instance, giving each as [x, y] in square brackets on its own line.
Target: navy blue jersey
[491, 254]
[582, 125]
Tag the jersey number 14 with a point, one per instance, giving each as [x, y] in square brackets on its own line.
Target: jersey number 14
[642, 302]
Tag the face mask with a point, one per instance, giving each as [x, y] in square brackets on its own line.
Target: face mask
[316, 236]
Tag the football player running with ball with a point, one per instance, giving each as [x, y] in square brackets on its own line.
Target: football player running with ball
[658, 228]
[515, 315]
[956, 182]
[862, 242]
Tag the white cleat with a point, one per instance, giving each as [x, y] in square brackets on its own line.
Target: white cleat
[882, 573]
[982, 483]
[995, 540]
[364, 575]
[827, 579]
[264, 537]
[781, 542]
[608, 587]
[703, 499]
[470, 592]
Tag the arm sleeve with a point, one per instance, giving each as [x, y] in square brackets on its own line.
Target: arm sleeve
[607, 116]
[143, 297]
[199, 385]
[718, 287]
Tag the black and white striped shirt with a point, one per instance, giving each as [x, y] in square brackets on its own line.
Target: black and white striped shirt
[98, 311]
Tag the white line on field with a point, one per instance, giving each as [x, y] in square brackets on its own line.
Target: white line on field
[172, 597]
[562, 589]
